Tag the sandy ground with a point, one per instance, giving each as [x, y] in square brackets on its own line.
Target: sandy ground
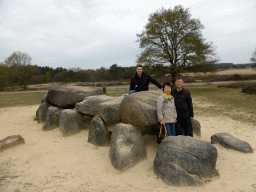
[49, 162]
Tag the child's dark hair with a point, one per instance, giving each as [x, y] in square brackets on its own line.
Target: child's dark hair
[167, 84]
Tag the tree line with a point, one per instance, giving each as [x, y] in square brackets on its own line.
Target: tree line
[17, 70]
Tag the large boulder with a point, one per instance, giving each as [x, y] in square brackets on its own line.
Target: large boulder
[140, 109]
[185, 161]
[41, 112]
[52, 118]
[70, 122]
[11, 141]
[89, 106]
[43, 98]
[98, 132]
[229, 141]
[110, 110]
[67, 96]
[127, 147]
[85, 121]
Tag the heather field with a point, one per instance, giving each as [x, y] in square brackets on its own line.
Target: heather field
[250, 71]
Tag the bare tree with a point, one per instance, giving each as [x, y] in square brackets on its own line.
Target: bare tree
[253, 58]
[18, 59]
[20, 68]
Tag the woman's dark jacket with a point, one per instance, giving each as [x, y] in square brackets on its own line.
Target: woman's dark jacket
[141, 84]
[183, 102]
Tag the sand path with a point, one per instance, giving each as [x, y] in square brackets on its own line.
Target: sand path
[49, 162]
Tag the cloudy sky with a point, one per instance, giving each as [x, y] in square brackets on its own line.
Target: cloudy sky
[89, 34]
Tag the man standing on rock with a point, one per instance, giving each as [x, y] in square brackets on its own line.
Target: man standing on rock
[140, 81]
[184, 108]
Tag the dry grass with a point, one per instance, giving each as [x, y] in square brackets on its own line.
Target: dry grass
[232, 103]
[20, 99]
[116, 92]
[225, 72]
[237, 71]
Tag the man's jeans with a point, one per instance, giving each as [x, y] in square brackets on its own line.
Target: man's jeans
[132, 91]
[186, 124]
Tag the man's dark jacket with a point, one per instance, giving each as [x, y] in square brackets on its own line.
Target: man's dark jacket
[141, 83]
[183, 102]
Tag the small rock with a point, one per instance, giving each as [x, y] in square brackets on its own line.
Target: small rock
[229, 141]
[11, 141]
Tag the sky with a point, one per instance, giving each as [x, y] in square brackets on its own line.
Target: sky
[90, 34]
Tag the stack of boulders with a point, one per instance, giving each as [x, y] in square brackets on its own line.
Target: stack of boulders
[179, 161]
[66, 106]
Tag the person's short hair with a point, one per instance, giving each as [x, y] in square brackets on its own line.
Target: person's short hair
[167, 84]
[138, 66]
[179, 78]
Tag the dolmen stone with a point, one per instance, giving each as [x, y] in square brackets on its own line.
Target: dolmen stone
[109, 110]
[196, 127]
[140, 109]
[127, 147]
[89, 106]
[52, 118]
[229, 141]
[185, 161]
[43, 98]
[70, 122]
[11, 141]
[67, 96]
[98, 132]
[41, 112]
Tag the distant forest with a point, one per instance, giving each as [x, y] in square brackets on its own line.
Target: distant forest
[116, 72]
[86, 75]
[234, 66]
[34, 74]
